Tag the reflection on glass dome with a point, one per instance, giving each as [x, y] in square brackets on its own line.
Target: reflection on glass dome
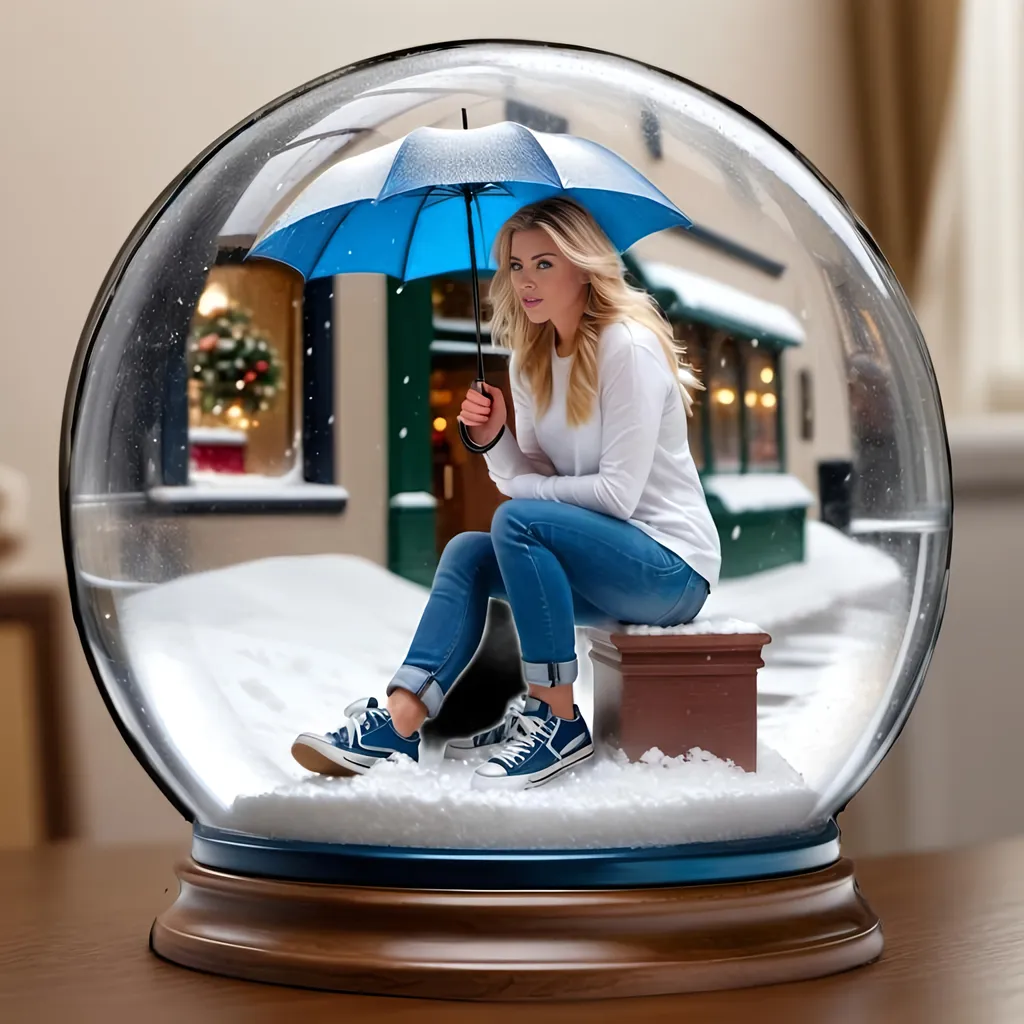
[262, 473]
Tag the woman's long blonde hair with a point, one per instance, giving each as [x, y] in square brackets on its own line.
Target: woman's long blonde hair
[610, 299]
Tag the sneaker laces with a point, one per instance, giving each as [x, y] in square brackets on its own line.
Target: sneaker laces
[515, 721]
[361, 716]
[530, 728]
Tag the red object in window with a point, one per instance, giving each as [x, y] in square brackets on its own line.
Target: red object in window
[218, 450]
[217, 459]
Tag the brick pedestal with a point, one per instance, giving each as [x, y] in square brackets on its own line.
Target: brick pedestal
[676, 691]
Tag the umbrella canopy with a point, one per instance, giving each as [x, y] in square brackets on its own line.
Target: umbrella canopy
[431, 202]
[400, 209]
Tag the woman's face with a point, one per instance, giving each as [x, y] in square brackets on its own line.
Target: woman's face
[547, 283]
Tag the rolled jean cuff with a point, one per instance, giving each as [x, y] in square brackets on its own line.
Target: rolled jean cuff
[420, 682]
[551, 673]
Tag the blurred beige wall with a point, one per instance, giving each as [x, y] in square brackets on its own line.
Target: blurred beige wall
[953, 777]
[103, 103]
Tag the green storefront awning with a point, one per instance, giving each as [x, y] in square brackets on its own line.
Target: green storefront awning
[711, 302]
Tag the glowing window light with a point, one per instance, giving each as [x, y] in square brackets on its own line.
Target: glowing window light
[725, 396]
[750, 399]
[440, 424]
[768, 401]
[213, 300]
[767, 375]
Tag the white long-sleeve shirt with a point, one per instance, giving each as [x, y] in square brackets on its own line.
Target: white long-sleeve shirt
[630, 460]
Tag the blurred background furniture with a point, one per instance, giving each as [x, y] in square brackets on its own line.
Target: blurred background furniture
[33, 786]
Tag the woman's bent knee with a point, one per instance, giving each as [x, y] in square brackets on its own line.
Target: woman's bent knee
[514, 516]
[470, 546]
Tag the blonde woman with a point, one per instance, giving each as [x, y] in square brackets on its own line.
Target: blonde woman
[607, 518]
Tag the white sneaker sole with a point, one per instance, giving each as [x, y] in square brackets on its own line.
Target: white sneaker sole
[518, 782]
[316, 754]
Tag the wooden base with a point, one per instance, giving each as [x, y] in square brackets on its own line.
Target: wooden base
[507, 945]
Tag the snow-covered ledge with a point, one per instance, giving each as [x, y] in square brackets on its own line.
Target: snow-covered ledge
[212, 491]
[698, 627]
[757, 492]
[987, 452]
[252, 496]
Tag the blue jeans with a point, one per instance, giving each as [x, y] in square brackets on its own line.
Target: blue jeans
[558, 566]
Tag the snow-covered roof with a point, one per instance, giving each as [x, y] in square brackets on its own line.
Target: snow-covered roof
[711, 301]
[754, 492]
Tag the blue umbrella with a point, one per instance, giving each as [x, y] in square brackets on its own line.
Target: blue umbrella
[428, 203]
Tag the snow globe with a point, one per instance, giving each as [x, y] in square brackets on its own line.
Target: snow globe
[263, 463]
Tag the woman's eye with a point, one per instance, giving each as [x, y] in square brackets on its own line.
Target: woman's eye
[543, 265]
[516, 266]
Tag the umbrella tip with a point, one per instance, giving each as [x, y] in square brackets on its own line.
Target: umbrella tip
[465, 119]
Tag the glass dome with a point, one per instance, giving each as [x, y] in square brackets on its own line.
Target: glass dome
[260, 472]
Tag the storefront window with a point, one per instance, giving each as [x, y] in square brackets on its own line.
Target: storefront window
[242, 362]
[724, 395]
[761, 399]
[452, 299]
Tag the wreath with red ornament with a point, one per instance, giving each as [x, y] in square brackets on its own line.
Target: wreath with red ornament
[234, 362]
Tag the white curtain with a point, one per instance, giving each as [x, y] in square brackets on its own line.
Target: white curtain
[970, 288]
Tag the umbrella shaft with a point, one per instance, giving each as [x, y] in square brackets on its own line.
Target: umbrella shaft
[476, 286]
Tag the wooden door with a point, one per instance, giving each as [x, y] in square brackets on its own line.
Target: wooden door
[466, 495]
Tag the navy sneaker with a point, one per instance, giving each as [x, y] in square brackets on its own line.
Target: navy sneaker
[548, 746]
[366, 738]
[492, 740]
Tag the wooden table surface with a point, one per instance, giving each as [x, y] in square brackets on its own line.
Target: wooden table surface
[74, 926]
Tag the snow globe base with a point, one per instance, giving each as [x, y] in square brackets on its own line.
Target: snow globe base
[485, 942]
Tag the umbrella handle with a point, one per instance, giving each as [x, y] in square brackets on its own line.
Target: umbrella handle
[469, 443]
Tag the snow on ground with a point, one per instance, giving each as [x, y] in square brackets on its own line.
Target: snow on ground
[822, 686]
[835, 570]
[605, 803]
[238, 661]
[836, 620]
[696, 628]
[235, 662]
